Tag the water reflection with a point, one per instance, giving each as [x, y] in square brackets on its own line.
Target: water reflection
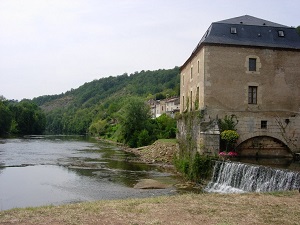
[43, 170]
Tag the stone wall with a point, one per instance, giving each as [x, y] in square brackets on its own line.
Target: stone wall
[198, 132]
[218, 77]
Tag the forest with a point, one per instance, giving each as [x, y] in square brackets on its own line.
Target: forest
[112, 107]
[21, 118]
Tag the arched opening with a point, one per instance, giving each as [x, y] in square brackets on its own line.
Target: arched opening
[263, 146]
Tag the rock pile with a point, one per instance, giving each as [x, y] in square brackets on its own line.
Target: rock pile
[158, 152]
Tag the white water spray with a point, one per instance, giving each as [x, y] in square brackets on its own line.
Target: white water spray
[234, 177]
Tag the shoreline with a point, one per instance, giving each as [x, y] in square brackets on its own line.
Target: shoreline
[206, 208]
[160, 153]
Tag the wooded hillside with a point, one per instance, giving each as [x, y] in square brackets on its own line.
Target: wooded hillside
[99, 101]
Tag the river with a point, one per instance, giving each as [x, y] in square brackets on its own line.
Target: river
[54, 170]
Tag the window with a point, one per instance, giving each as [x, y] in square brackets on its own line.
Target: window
[280, 33]
[233, 30]
[252, 95]
[252, 64]
[263, 124]
[191, 72]
[182, 80]
[198, 66]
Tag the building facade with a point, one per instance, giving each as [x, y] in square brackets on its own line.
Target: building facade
[247, 67]
[168, 106]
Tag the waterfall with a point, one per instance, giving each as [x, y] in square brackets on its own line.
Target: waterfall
[234, 177]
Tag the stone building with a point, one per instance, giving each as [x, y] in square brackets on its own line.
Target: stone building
[157, 107]
[248, 67]
[168, 106]
[172, 106]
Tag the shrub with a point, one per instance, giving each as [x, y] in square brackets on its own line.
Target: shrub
[230, 137]
[196, 168]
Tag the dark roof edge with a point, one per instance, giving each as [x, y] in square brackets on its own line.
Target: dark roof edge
[202, 44]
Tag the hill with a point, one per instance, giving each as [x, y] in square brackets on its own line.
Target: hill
[74, 111]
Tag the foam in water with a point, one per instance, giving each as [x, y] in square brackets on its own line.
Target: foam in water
[234, 177]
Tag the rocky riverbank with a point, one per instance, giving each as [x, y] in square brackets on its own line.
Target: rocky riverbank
[160, 152]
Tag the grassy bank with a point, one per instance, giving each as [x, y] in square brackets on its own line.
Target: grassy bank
[252, 208]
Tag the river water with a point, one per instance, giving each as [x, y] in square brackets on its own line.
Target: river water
[53, 170]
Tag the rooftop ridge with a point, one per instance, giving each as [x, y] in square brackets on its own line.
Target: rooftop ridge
[251, 20]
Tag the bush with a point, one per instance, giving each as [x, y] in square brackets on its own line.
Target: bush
[195, 169]
[230, 137]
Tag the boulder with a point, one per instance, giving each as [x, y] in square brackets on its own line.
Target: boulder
[150, 184]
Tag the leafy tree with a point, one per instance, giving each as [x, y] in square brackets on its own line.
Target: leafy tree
[98, 128]
[166, 127]
[228, 123]
[21, 118]
[136, 116]
[29, 118]
[144, 138]
[298, 29]
[5, 118]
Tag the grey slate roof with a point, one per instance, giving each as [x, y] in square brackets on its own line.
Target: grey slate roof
[251, 20]
[250, 32]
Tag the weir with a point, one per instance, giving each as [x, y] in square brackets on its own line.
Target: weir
[235, 177]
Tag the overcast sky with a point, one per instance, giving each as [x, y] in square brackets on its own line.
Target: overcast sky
[50, 46]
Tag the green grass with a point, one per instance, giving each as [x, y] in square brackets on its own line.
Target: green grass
[168, 140]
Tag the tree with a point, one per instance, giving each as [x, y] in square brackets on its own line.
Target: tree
[29, 118]
[5, 118]
[166, 127]
[228, 123]
[134, 119]
[298, 29]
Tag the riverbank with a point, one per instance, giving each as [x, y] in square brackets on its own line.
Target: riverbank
[161, 152]
[252, 208]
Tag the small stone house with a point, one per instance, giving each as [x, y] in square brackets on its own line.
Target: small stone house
[169, 106]
[172, 106]
[250, 68]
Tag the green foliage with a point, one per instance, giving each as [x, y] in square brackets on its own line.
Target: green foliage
[21, 118]
[228, 123]
[195, 168]
[5, 118]
[99, 128]
[298, 29]
[135, 121]
[78, 111]
[29, 118]
[166, 127]
[230, 137]
[144, 138]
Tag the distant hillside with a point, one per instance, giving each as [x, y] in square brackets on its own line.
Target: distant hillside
[73, 112]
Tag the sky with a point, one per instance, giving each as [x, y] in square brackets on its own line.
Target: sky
[50, 46]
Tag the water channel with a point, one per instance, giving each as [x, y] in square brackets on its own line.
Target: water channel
[53, 170]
